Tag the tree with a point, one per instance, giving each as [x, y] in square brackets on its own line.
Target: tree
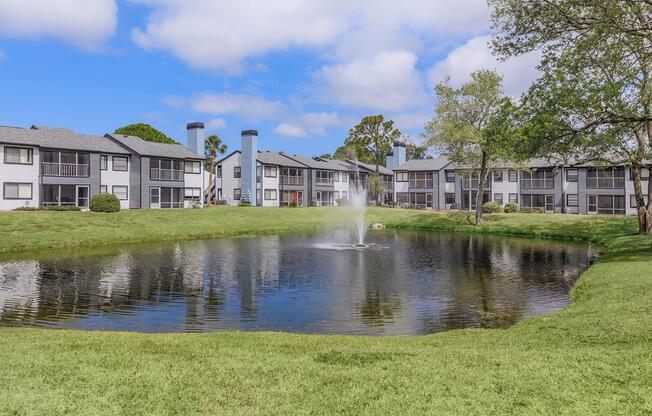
[145, 132]
[354, 152]
[326, 156]
[597, 72]
[375, 136]
[414, 150]
[463, 120]
[212, 147]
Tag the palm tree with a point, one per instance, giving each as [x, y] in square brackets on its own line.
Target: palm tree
[212, 147]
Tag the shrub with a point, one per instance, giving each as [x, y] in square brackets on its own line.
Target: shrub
[244, 204]
[491, 207]
[511, 208]
[105, 203]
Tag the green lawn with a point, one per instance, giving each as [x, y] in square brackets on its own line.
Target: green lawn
[592, 357]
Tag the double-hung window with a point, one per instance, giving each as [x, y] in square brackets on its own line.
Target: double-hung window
[237, 172]
[120, 192]
[13, 190]
[237, 194]
[192, 167]
[450, 176]
[120, 163]
[271, 172]
[104, 162]
[498, 176]
[512, 175]
[270, 195]
[18, 155]
[401, 176]
[513, 199]
[498, 198]
[572, 200]
[192, 194]
[571, 175]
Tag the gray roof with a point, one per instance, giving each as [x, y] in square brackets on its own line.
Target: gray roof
[322, 163]
[277, 158]
[145, 148]
[382, 169]
[58, 138]
[438, 163]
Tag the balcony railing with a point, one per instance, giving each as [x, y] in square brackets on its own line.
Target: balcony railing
[420, 184]
[64, 169]
[324, 181]
[165, 174]
[548, 183]
[291, 180]
[605, 183]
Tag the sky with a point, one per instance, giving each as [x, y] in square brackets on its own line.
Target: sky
[301, 72]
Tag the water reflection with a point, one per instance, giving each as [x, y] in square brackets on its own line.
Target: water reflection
[417, 283]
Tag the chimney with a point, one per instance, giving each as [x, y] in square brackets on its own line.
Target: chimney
[195, 137]
[248, 157]
[389, 160]
[400, 155]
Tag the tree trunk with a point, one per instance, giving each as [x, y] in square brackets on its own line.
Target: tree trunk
[211, 182]
[648, 218]
[640, 201]
[481, 181]
[378, 191]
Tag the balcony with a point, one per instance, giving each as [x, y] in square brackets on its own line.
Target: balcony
[64, 169]
[547, 183]
[291, 180]
[165, 174]
[605, 183]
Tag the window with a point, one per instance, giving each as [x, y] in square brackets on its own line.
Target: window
[167, 170]
[291, 176]
[645, 174]
[219, 171]
[402, 197]
[17, 190]
[344, 177]
[18, 155]
[120, 163]
[610, 204]
[120, 192]
[192, 194]
[450, 197]
[450, 176]
[572, 200]
[104, 162]
[571, 175]
[420, 180]
[192, 167]
[592, 203]
[270, 194]
[632, 201]
[498, 198]
[533, 202]
[401, 176]
[336, 176]
[236, 194]
[539, 179]
[513, 199]
[336, 195]
[291, 198]
[271, 172]
[104, 189]
[324, 177]
[512, 175]
[605, 178]
[498, 176]
[237, 172]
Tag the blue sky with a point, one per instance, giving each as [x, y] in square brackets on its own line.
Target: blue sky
[301, 72]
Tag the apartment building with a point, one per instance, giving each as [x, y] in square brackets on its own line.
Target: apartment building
[286, 179]
[41, 166]
[542, 187]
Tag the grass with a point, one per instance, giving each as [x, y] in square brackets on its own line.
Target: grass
[592, 357]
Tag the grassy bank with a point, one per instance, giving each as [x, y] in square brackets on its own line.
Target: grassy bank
[592, 357]
[24, 231]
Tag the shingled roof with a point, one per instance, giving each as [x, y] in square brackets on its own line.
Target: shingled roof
[145, 148]
[438, 163]
[58, 138]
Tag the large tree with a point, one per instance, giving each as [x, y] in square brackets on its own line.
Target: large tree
[597, 72]
[374, 135]
[212, 147]
[145, 132]
[460, 127]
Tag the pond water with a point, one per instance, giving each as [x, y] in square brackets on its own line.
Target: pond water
[404, 283]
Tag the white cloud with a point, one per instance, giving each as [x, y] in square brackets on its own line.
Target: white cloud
[86, 24]
[387, 82]
[221, 34]
[174, 101]
[250, 108]
[411, 121]
[290, 130]
[2, 54]
[216, 124]
[518, 73]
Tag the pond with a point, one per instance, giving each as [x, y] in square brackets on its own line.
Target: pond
[404, 283]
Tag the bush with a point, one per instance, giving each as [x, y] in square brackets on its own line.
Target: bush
[511, 208]
[49, 208]
[491, 207]
[244, 204]
[105, 203]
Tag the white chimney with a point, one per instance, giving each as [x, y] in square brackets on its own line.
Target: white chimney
[195, 137]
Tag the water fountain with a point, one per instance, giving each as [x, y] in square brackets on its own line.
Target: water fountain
[358, 197]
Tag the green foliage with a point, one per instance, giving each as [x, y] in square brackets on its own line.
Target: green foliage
[62, 208]
[375, 185]
[244, 204]
[212, 148]
[491, 207]
[511, 208]
[145, 132]
[105, 203]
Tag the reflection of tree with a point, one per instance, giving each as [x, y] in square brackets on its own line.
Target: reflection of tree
[378, 308]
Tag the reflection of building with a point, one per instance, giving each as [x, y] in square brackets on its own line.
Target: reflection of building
[18, 290]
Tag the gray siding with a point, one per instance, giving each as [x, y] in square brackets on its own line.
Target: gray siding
[583, 191]
[557, 190]
[135, 184]
[93, 180]
[147, 183]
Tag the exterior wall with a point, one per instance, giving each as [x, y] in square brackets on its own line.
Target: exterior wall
[20, 174]
[92, 180]
[434, 190]
[248, 163]
[306, 188]
[570, 188]
[111, 178]
[584, 192]
[505, 187]
[341, 187]
[270, 183]
[147, 183]
[136, 183]
[195, 180]
[556, 191]
[227, 183]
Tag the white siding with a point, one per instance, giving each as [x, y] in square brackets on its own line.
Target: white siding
[194, 180]
[505, 187]
[112, 178]
[270, 183]
[21, 174]
[227, 183]
[340, 186]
